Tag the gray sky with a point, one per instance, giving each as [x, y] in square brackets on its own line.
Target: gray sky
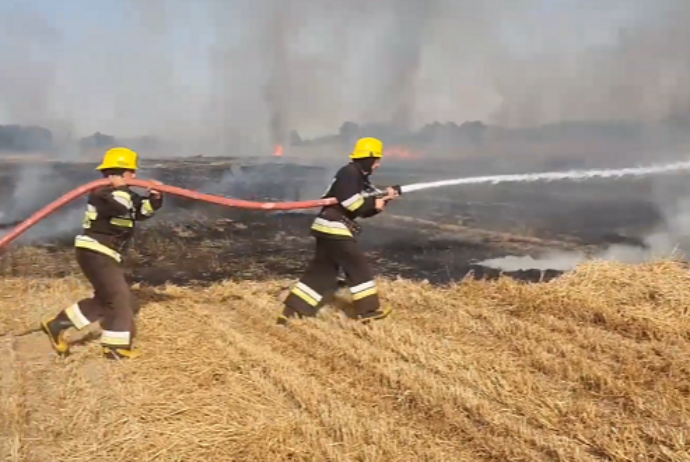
[228, 70]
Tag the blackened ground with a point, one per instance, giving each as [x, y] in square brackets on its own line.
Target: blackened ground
[191, 242]
[587, 212]
[258, 246]
[10, 224]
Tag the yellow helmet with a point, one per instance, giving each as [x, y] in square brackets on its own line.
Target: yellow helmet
[367, 147]
[123, 158]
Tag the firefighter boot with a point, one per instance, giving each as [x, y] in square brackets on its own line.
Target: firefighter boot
[287, 315]
[341, 280]
[111, 352]
[56, 328]
[381, 313]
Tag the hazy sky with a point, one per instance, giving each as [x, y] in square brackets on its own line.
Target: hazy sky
[223, 70]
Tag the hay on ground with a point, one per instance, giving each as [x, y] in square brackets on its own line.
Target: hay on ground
[592, 366]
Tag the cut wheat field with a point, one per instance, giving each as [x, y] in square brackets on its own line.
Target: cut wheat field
[592, 366]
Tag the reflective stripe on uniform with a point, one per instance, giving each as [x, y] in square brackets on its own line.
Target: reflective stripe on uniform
[91, 212]
[366, 289]
[331, 227]
[306, 293]
[124, 198]
[115, 338]
[77, 317]
[353, 203]
[90, 215]
[123, 222]
[86, 242]
[147, 208]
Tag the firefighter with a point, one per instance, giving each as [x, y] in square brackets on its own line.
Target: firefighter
[109, 222]
[336, 231]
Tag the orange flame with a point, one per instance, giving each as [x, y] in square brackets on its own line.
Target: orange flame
[401, 153]
[278, 151]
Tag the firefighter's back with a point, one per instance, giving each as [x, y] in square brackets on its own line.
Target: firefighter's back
[338, 221]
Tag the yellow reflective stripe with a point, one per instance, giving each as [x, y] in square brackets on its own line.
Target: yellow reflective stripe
[77, 317]
[363, 290]
[329, 230]
[331, 227]
[304, 296]
[355, 206]
[122, 194]
[363, 286]
[364, 294]
[90, 215]
[85, 242]
[124, 198]
[115, 338]
[354, 202]
[309, 291]
[124, 222]
[146, 207]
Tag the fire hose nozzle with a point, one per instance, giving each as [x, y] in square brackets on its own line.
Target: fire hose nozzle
[375, 192]
[380, 193]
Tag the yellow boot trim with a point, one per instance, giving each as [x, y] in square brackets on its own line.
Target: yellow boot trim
[122, 353]
[385, 312]
[61, 347]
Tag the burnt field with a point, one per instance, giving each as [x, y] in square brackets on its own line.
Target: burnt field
[438, 235]
[592, 366]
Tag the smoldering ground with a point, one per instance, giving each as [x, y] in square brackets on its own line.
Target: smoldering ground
[235, 78]
[661, 230]
[439, 235]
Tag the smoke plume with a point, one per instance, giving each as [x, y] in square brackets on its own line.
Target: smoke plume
[669, 238]
[236, 77]
[223, 76]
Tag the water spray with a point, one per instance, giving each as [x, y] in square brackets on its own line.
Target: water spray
[375, 192]
[575, 175]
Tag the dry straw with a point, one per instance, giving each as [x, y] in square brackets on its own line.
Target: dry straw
[592, 366]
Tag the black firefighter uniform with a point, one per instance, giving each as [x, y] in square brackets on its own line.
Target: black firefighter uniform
[109, 223]
[336, 230]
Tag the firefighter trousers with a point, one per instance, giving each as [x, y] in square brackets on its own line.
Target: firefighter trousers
[321, 278]
[112, 301]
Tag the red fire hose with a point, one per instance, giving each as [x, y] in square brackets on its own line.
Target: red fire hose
[218, 200]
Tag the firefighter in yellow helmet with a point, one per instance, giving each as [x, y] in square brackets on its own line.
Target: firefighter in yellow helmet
[109, 222]
[336, 230]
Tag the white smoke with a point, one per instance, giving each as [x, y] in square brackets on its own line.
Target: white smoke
[234, 77]
[658, 246]
[670, 239]
[231, 76]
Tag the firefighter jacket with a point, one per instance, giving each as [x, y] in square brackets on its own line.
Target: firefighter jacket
[339, 221]
[111, 214]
